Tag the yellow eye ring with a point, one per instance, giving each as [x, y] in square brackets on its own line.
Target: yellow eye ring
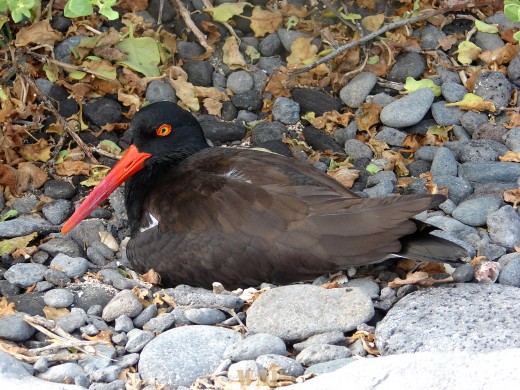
[163, 130]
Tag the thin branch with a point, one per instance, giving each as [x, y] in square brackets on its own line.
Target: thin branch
[62, 121]
[382, 30]
[185, 14]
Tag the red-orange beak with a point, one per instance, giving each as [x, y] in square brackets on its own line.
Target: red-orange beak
[131, 162]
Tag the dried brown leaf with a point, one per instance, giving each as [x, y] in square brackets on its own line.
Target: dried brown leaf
[345, 175]
[512, 196]
[6, 308]
[302, 52]
[151, 277]
[72, 168]
[39, 151]
[232, 56]
[39, 33]
[264, 22]
[510, 156]
[54, 313]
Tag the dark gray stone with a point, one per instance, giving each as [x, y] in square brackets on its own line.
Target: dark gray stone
[409, 110]
[356, 90]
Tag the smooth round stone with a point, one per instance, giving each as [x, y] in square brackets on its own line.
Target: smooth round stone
[391, 136]
[504, 226]
[287, 365]
[63, 372]
[459, 317]
[446, 116]
[407, 65]
[160, 90]
[490, 172]
[370, 287]
[453, 92]
[472, 120]
[58, 297]
[333, 337]
[481, 150]
[458, 188]
[358, 149]
[205, 316]
[245, 367]
[330, 366]
[179, 356]
[409, 110]
[474, 212]
[240, 81]
[444, 163]
[25, 274]
[254, 346]
[146, 315]
[123, 303]
[315, 354]
[14, 328]
[510, 272]
[71, 266]
[137, 339]
[357, 89]
[513, 139]
[297, 312]
[463, 274]
[286, 111]
[267, 131]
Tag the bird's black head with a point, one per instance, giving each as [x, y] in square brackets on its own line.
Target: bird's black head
[166, 131]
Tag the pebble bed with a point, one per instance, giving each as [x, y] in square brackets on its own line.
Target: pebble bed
[184, 336]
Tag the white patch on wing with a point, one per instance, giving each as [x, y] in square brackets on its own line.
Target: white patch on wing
[153, 223]
[237, 175]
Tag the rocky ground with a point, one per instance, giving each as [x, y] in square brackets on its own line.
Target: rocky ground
[73, 316]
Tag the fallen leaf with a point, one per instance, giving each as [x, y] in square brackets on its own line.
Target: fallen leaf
[39, 151]
[151, 277]
[9, 246]
[368, 117]
[39, 33]
[55, 313]
[474, 103]
[226, 11]
[500, 56]
[264, 22]
[420, 278]
[486, 28]
[232, 56]
[413, 85]
[103, 335]
[302, 52]
[142, 55]
[37, 175]
[6, 308]
[9, 178]
[344, 175]
[512, 196]
[510, 156]
[467, 52]
[214, 107]
[373, 22]
[185, 91]
[72, 168]
[446, 42]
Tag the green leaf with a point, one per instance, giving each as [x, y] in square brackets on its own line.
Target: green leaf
[9, 246]
[3, 7]
[252, 53]
[516, 35]
[110, 146]
[413, 85]
[226, 11]
[373, 60]
[77, 75]
[105, 8]
[512, 10]
[486, 28]
[467, 52]
[291, 22]
[326, 52]
[351, 17]
[10, 214]
[19, 9]
[372, 169]
[142, 55]
[77, 8]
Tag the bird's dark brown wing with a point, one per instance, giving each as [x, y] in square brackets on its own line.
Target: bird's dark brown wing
[243, 217]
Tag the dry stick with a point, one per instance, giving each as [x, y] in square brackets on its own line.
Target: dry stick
[382, 30]
[49, 106]
[189, 23]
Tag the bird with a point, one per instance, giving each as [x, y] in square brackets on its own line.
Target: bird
[200, 214]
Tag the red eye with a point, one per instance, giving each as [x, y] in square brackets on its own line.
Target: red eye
[163, 130]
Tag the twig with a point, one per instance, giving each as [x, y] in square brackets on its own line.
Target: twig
[333, 9]
[382, 30]
[185, 14]
[105, 153]
[67, 344]
[49, 106]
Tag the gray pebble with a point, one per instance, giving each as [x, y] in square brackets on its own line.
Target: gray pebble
[254, 346]
[474, 212]
[330, 366]
[408, 110]
[287, 365]
[391, 136]
[160, 324]
[286, 111]
[14, 328]
[357, 149]
[270, 45]
[370, 287]
[58, 211]
[332, 337]
[490, 172]
[504, 226]
[513, 139]
[137, 339]
[24, 225]
[58, 297]
[473, 120]
[71, 266]
[446, 116]
[356, 90]
[458, 188]
[124, 302]
[494, 87]
[145, 316]
[25, 274]
[63, 373]
[72, 321]
[409, 64]
[194, 296]
[463, 274]
[444, 163]
[123, 323]
[322, 353]
[240, 81]
[205, 316]
[487, 41]
[426, 153]
[161, 90]
[453, 92]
